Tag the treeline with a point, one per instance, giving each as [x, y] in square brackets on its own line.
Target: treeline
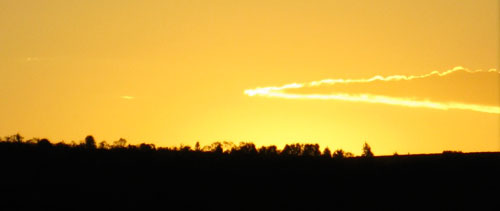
[216, 148]
[37, 174]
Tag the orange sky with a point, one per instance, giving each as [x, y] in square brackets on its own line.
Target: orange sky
[172, 72]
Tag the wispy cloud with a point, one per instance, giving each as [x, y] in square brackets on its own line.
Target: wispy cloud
[33, 59]
[126, 97]
[285, 92]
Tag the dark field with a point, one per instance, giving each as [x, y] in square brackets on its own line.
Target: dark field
[46, 176]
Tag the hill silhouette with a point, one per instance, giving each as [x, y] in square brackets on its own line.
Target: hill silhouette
[43, 175]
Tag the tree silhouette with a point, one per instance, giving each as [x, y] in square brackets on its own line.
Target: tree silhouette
[44, 143]
[327, 153]
[367, 151]
[268, 151]
[32, 141]
[197, 146]
[18, 138]
[216, 147]
[311, 150]
[103, 145]
[246, 149]
[228, 146]
[339, 154]
[292, 150]
[120, 143]
[145, 173]
[146, 147]
[90, 142]
[14, 138]
[185, 149]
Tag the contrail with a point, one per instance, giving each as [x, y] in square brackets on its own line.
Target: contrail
[278, 92]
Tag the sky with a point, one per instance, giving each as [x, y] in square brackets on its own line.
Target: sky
[178, 72]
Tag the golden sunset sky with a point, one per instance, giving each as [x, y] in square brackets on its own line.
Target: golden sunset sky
[177, 72]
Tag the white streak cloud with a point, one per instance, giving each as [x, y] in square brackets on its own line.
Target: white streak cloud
[280, 92]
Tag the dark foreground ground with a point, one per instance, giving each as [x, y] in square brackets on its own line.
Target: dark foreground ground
[47, 177]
